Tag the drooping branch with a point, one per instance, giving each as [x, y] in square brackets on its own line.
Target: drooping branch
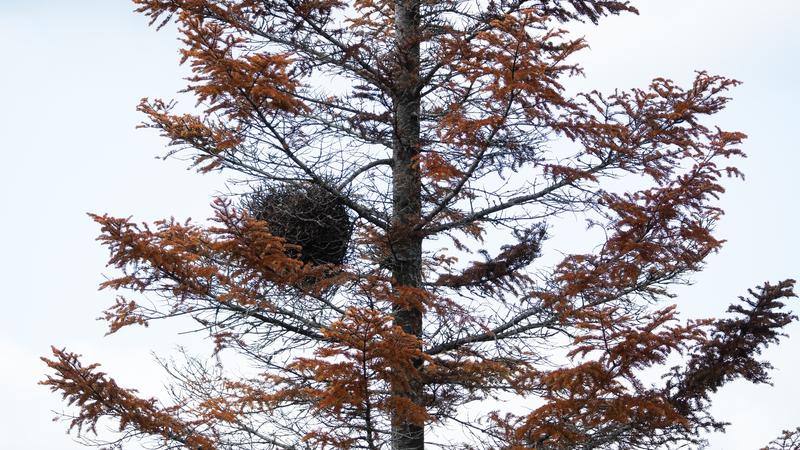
[99, 397]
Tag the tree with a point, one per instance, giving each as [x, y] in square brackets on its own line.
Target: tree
[417, 132]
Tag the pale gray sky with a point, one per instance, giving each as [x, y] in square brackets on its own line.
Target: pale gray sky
[73, 72]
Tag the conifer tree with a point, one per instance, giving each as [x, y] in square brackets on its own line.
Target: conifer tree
[392, 144]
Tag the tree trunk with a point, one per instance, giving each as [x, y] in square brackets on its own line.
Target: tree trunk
[406, 244]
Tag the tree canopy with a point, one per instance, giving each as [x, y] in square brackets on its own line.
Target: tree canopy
[409, 162]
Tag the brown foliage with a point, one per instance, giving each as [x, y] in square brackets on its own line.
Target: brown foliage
[98, 396]
[788, 440]
[427, 132]
[730, 350]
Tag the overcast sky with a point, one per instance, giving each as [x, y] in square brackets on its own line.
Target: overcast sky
[73, 72]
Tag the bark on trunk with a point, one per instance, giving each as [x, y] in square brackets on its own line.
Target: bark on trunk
[406, 245]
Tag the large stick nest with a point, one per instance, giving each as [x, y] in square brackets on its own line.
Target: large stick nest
[306, 215]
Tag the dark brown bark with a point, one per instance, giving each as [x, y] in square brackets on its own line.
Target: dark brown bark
[405, 243]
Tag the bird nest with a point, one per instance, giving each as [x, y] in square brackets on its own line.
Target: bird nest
[306, 215]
